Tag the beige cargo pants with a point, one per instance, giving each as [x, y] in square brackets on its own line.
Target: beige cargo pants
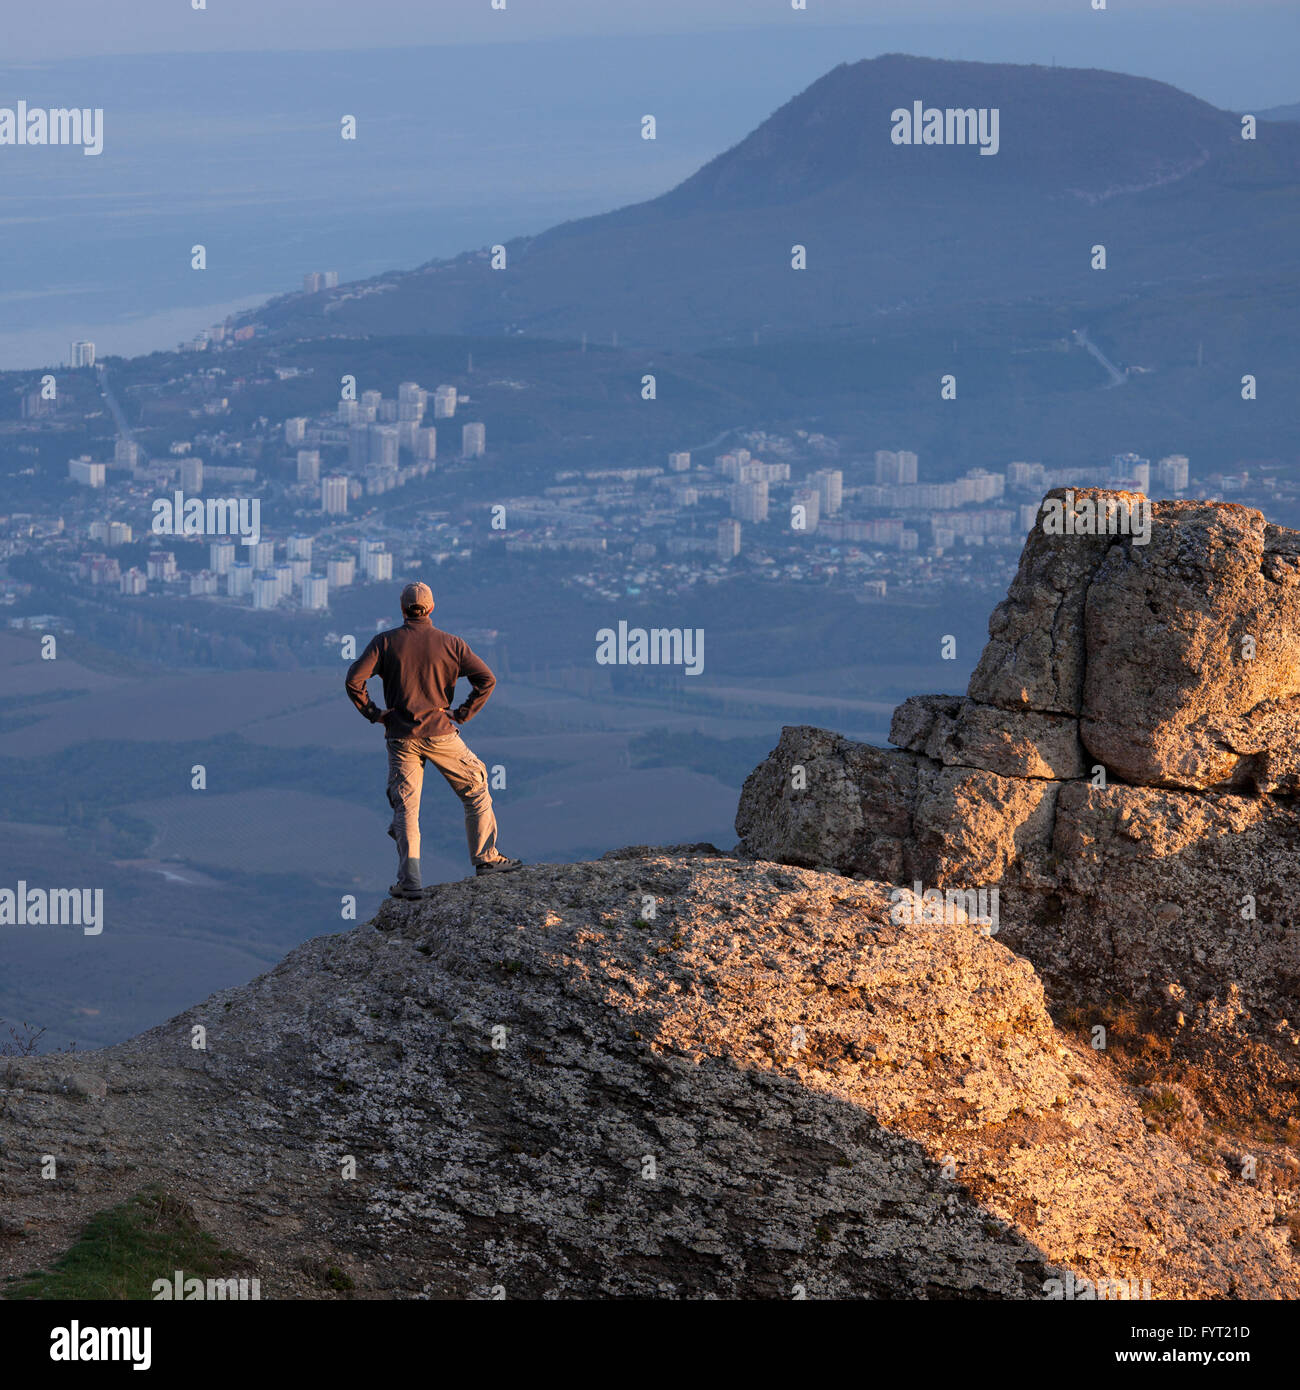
[466, 775]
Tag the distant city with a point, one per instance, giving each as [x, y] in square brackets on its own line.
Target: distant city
[799, 508]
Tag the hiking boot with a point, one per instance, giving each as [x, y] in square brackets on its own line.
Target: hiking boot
[497, 866]
[406, 892]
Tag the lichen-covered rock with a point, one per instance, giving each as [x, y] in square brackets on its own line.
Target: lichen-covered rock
[973, 828]
[1149, 893]
[652, 1076]
[1147, 847]
[1164, 889]
[824, 801]
[1178, 650]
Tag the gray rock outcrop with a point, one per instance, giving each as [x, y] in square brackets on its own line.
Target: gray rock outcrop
[1122, 768]
[766, 1086]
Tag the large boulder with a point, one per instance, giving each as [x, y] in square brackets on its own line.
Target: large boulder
[764, 1087]
[1177, 649]
[1167, 656]
[823, 801]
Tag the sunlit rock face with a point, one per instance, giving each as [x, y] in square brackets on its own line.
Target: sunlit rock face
[1122, 766]
[1178, 652]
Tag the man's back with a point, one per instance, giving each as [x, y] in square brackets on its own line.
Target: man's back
[419, 665]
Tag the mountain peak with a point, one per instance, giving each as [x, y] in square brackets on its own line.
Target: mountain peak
[1076, 131]
[939, 223]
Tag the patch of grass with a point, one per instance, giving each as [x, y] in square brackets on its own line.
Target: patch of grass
[329, 1276]
[1164, 1109]
[124, 1249]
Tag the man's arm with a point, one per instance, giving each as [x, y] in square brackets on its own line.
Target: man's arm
[358, 674]
[480, 677]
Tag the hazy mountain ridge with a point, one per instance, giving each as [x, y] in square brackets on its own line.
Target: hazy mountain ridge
[1085, 156]
[1058, 127]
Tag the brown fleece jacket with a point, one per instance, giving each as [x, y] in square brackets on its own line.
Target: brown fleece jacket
[419, 665]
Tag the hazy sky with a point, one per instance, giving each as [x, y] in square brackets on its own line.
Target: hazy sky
[53, 27]
[66, 28]
[1233, 54]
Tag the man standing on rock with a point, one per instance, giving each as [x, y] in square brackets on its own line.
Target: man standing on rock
[419, 665]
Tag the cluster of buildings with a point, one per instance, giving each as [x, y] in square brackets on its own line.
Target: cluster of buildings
[873, 525]
[935, 516]
[387, 443]
[792, 509]
[131, 471]
[373, 444]
[269, 574]
[753, 481]
[265, 575]
[883, 529]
